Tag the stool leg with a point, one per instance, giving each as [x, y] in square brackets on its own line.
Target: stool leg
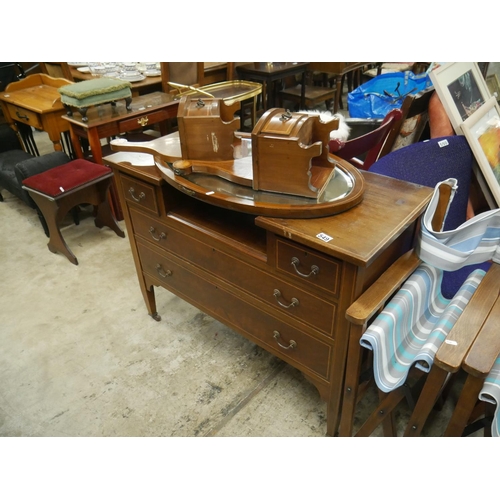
[42, 222]
[83, 112]
[69, 110]
[53, 217]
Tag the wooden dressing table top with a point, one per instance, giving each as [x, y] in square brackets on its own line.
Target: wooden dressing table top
[358, 235]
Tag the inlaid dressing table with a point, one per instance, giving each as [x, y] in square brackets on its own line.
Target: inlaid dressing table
[283, 283]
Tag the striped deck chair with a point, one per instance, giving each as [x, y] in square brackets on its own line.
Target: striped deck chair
[446, 291]
[417, 321]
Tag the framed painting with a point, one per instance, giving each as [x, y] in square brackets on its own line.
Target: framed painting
[461, 89]
[482, 131]
[493, 85]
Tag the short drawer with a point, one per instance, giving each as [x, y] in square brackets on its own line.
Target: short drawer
[280, 294]
[142, 121]
[24, 116]
[140, 194]
[292, 345]
[308, 266]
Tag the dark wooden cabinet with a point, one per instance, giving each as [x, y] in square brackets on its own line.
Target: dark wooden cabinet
[275, 281]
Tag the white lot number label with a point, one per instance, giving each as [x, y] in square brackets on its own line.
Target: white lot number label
[324, 237]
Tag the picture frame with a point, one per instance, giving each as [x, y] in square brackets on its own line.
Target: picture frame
[493, 84]
[462, 90]
[482, 131]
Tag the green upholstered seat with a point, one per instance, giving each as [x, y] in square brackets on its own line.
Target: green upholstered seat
[88, 93]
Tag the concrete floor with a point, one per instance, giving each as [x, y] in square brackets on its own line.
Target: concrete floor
[80, 356]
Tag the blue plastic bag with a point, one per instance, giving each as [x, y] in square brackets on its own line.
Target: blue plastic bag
[374, 99]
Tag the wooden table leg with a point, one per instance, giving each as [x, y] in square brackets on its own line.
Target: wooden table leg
[75, 140]
[338, 93]
[51, 125]
[104, 216]
[95, 148]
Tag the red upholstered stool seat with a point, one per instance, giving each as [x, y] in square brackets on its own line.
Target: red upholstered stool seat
[61, 188]
[64, 178]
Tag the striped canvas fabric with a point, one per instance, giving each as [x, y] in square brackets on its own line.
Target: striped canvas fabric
[414, 324]
[475, 241]
[416, 321]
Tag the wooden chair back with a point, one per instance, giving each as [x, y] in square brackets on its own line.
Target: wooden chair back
[232, 72]
[185, 73]
[370, 143]
[314, 95]
[57, 70]
[414, 120]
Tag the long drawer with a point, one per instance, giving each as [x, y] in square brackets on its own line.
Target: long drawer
[267, 287]
[291, 344]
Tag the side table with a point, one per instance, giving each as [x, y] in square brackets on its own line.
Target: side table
[36, 102]
[269, 74]
[108, 121]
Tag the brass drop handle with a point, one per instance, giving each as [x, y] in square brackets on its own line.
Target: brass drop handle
[292, 344]
[143, 121]
[296, 262]
[23, 117]
[152, 231]
[162, 272]
[141, 195]
[293, 303]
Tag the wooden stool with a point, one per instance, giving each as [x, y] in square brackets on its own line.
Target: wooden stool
[61, 188]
